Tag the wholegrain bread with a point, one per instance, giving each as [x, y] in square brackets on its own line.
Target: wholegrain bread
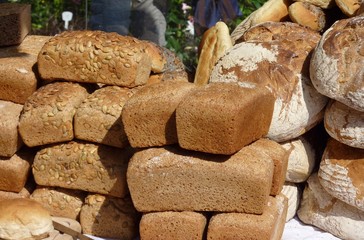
[83, 166]
[97, 57]
[149, 116]
[239, 226]
[15, 23]
[10, 141]
[308, 15]
[98, 118]
[173, 179]
[48, 113]
[18, 75]
[109, 217]
[222, 118]
[172, 225]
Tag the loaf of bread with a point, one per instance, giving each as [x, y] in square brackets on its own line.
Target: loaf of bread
[348, 7]
[222, 118]
[15, 23]
[336, 63]
[109, 217]
[98, 118]
[320, 209]
[14, 171]
[60, 202]
[341, 171]
[83, 166]
[173, 179]
[149, 116]
[271, 10]
[325, 4]
[267, 226]
[47, 115]
[10, 141]
[18, 75]
[308, 15]
[345, 124]
[97, 57]
[293, 193]
[276, 55]
[70, 223]
[172, 225]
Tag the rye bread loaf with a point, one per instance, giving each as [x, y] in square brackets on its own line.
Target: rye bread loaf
[10, 141]
[320, 209]
[149, 116]
[48, 113]
[341, 171]
[16, 170]
[109, 217]
[15, 23]
[98, 118]
[336, 64]
[83, 166]
[239, 226]
[96, 57]
[18, 74]
[172, 225]
[60, 202]
[222, 118]
[173, 179]
[275, 55]
[345, 124]
[308, 15]
[293, 193]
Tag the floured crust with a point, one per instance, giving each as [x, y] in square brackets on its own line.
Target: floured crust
[336, 67]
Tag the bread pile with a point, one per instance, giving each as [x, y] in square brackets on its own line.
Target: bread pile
[113, 133]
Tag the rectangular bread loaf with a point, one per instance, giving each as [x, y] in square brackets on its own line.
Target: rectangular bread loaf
[48, 113]
[267, 226]
[149, 116]
[221, 118]
[83, 166]
[173, 179]
[18, 75]
[15, 23]
[109, 217]
[24, 193]
[172, 225]
[60, 202]
[10, 141]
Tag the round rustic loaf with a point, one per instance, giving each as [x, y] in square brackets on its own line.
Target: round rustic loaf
[336, 66]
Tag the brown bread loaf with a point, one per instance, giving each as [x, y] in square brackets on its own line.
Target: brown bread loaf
[221, 118]
[47, 115]
[98, 118]
[173, 179]
[271, 10]
[239, 226]
[172, 225]
[109, 217]
[10, 141]
[24, 193]
[97, 57]
[18, 75]
[149, 115]
[348, 7]
[308, 15]
[83, 166]
[15, 23]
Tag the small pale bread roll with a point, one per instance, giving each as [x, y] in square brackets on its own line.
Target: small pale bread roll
[272, 10]
[348, 7]
[307, 15]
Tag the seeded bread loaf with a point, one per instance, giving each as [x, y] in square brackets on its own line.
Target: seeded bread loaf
[96, 57]
[221, 118]
[15, 170]
[18, 73]
[15, 23]
[83, 166]
[267, 226]
[173, 179]
[109, 217]
[98, 118]
[60, 202]
[172, 225]
[307, 15]
[47, 115]
[149, 115]
[10, 141]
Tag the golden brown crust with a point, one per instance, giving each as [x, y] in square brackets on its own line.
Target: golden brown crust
[307, 15]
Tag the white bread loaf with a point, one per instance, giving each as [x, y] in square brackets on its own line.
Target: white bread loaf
[308, 15]
[345, 124]
[293, 193]
[341, 171]
[336, 64]
[348, 7]
[320, 209]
